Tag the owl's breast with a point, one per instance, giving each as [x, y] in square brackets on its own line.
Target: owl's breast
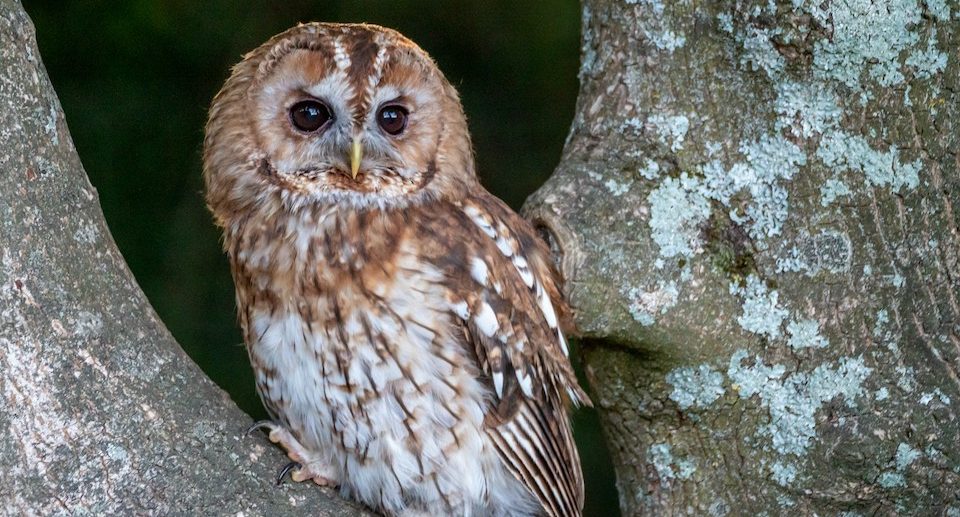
[358, 354]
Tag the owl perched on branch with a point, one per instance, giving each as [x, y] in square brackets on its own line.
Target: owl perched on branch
[403, 324]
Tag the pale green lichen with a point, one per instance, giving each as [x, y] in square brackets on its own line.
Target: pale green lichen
[686, 468]
[926, 63]
[879, 324]
[897, 280]
[866, 35]
[805, 334]
[759, 52]
[650, 170]
[783, 474]
[842, 151]
[807, 109]
[935, 454]
[906, 379]
[665, 39]
[721, 183]
[632, 125]
[645, 305]
[661, 457]
[770, 161]
[773, 159]
[677, 209]
[881, 394]
[905, 456]
[794, 400]
[117, 453]
[87, 233]
[938, 9]
[870, 41]
[725, 22]
[794, 262]
[831, 190]
[762, 313]
[937, 393]
[616, 188]
[698, 387]
[828, 250]
[712, 148]
[672, 130]
[748, 382]
[657, 31]
[891, 480]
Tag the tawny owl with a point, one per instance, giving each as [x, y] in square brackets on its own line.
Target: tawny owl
[404, 325]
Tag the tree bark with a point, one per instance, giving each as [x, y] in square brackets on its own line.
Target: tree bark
[755, 213]
[102, 411]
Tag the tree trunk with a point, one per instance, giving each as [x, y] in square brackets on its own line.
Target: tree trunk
[102, 411]
[755, 211]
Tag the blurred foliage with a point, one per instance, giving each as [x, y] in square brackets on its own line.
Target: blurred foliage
[135, 78]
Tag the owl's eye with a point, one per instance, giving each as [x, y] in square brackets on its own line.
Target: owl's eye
[310, 115]
[392, 119]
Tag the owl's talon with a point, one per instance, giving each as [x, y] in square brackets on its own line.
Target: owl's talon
[261, 424]
[286, 470]
[303, 465]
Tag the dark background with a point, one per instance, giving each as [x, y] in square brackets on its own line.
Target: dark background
[135, 78]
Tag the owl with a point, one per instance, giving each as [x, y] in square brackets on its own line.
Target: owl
[404, 325]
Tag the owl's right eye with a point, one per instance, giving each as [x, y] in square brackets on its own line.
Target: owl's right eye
[310, 115]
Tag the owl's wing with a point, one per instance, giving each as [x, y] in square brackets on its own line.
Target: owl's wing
[511, 308]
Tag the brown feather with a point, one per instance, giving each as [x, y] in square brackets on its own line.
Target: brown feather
[532, 434]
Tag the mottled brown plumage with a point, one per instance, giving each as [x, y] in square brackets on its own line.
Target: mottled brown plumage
[404, 325]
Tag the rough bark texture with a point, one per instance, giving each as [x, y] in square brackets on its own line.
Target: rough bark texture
[757, 213]
[101, 411]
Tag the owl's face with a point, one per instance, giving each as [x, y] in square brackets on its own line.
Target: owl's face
[329, 113]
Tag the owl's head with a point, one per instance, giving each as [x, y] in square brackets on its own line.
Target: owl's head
[353, 115]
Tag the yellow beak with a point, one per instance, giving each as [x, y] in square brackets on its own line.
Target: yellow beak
[356, 155]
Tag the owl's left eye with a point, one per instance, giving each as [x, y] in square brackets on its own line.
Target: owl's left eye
[310, 115]
[392, 119]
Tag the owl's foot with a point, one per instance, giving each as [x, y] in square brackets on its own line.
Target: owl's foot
[286, 470]
[305, 465]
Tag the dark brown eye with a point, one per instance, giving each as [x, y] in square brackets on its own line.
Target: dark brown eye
[392, 119]
[309, 116]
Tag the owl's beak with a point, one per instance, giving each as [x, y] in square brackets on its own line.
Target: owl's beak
[356, 155]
